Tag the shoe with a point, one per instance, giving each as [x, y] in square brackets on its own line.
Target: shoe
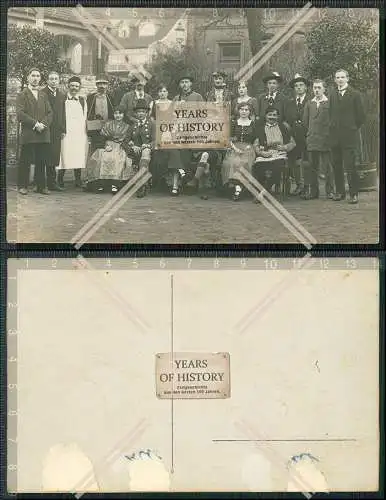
[114, 189]
[175, 192]
[204, 196]
[182, 172]
[310, 196]
[236, 196]
[298, 191]
[353, 199]
[141, 193]
[339, 197]
[23, 191]
[42, 191]
[330, 196]
[55, 187]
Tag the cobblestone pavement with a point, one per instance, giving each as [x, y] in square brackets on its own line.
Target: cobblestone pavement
[160, 218]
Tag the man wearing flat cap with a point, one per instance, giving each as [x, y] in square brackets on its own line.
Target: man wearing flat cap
[99, 110]
[129, 100]
[294, 109]
[273, 97]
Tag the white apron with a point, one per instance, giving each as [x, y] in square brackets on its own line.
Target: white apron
[75, 143]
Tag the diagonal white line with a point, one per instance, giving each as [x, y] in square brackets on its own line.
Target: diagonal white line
[110, 208]
[81, 263]
[272, 42]
[275, 208]
[262, 306]
[279, 44]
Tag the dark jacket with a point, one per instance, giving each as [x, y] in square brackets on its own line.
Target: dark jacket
[57, 103]
[128, 102]
[193, 96]
[347, 116]
[30, 110]
[317, 124]
[294, 117]
[280, 103]
[91, 106]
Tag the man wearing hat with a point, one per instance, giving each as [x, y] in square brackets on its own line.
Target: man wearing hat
[180, 159]
[294, 109]
[74, 144]
[139, 143]
[129, 100]
[272, 97]
[186, 92]
[99, 110]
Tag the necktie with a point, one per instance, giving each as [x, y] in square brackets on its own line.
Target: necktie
[298, 101]
[270, 99]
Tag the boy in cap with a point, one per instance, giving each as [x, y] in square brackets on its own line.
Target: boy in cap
[140, 141]
[294, 108]
[99, 108]
[129, 100]
[272, 98]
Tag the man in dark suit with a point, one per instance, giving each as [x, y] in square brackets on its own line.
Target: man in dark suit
[130, 99]
[294, 108]
[58, 127]
[347, 116]
[35, 114]
[272, 98]
[99, 107]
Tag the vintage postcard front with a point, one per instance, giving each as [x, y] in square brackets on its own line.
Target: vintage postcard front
[141, 375]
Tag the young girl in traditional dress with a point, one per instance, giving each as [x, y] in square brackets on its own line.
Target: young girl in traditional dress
[109, 168]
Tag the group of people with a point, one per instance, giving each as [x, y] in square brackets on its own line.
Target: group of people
[276, 139]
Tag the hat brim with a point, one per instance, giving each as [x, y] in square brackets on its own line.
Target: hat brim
[101, 81]
[296, 80]
[186, 78]
[272, 77]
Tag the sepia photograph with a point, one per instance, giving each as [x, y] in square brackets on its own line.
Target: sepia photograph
[192, 125]
[188, 395]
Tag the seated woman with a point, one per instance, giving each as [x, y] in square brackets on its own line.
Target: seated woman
[241, 152]
[244, 98]
[139, 142]
[108, 168]
[274, 141]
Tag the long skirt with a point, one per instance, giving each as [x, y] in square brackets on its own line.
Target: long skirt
[233, 161]
[109, 165]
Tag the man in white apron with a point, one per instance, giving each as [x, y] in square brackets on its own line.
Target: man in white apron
[75, 143]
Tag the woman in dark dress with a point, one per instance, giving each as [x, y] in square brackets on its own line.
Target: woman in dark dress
[241, 152]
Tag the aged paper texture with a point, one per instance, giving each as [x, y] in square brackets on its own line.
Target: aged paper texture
[303, 370]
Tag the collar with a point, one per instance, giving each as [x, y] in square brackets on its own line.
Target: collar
[53, 91]
[100, 95]
[272, 124]
[70, 97]
[219, 89]
[322, 99]
[185, 94]
[138, 94]
[343, 88]
[33, 89]
[271, 96]
[302, 97]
